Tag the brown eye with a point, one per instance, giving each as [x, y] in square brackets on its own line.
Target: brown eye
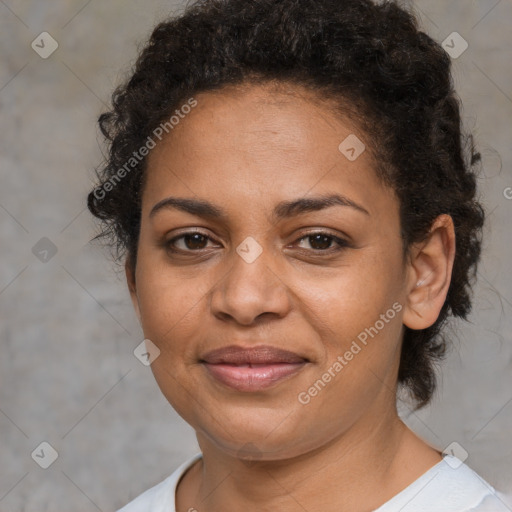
[195, 241]
[323, 242]
[188, 242]
[320, 241]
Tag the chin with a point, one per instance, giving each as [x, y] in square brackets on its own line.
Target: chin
[254, 435]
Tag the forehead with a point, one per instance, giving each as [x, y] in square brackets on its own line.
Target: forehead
[288, 116]
[263, 138]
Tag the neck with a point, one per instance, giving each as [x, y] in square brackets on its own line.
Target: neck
[357, 471]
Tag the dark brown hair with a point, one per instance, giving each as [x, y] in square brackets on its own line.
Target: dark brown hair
[367, 54]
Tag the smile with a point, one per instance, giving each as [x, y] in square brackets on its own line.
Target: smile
[252, 376]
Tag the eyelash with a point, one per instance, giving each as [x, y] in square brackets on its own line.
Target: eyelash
[343, 244]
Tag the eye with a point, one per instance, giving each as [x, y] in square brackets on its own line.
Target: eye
[191, 241]
[322, 241]
[195, 241]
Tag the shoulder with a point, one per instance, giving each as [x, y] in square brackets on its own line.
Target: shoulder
[449, 486]
[161, 497]
[496, 502]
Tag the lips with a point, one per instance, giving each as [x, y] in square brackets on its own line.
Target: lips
[252, 369]
[255, 355]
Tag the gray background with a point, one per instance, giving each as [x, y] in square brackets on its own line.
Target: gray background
[68, 375]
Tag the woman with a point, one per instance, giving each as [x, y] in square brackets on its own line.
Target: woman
[295, 204]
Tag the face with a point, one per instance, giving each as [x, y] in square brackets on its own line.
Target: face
[270, 263]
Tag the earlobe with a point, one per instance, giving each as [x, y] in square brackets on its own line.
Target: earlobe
[132, 287]
[430, 271]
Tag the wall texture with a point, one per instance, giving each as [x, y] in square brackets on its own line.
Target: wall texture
[68, 376]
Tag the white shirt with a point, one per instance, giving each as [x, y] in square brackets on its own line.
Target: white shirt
[449, 486]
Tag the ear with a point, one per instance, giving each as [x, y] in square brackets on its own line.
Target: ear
[430, 272]
[132, 286]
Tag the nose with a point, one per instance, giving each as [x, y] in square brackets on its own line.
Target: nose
[250, 291]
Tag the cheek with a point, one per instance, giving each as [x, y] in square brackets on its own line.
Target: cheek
[352, 296]
[356, 314]
[167, 301]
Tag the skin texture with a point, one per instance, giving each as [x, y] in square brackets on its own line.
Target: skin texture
[245, 150]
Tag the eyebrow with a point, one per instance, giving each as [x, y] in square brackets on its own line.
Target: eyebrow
[283, 210]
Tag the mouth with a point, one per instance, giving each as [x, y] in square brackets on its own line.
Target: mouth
[252, 369]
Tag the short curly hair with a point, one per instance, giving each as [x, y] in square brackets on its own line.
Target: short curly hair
[369, 55]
